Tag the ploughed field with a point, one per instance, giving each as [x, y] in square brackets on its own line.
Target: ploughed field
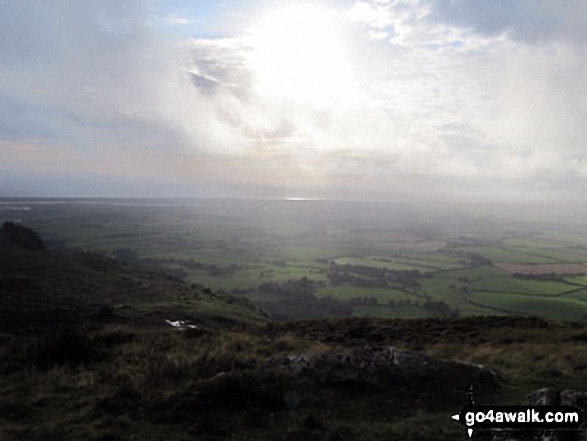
[308, 259]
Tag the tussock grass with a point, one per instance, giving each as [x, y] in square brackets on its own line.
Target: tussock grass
[117, 381]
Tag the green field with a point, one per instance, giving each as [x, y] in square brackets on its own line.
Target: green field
[429, 262]
[237, 246]
[511, 255]
[579, 280]
[559, 307]
[579, 295]
[512, 285]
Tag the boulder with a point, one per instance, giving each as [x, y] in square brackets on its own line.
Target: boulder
[552, 397]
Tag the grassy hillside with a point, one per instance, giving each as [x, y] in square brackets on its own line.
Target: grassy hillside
[85, 354]
[365, 259]
[119, 381]
[40, 288]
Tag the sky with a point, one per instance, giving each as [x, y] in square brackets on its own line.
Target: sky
[375, 99]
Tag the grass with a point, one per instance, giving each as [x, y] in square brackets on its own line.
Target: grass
[511, 255]
[125, 374]
[559, 307]
[564, 254]
[392, 264]
[488, 278]
[533, 242]
[579, 280]
[513, 285]
[255, 234]
[444, 286]
[153, 383]
[579, 295]
[527, 353]
[260, 297]
[250, 279]
[139, 374]
[477, 273]
[561, 250]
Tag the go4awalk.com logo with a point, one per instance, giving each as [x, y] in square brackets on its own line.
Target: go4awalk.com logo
[518, 418]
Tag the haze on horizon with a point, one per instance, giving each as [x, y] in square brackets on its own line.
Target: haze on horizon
[371, 99]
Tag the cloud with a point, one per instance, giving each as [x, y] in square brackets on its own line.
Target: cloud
[73, 61]
[176, 19]
[506, 78]
[529, 21]
[486, 96]
[91, 73]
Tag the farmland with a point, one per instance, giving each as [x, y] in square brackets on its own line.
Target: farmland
[140, 354]
[307, 258]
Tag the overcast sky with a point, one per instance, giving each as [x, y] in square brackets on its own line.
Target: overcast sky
[374, 99]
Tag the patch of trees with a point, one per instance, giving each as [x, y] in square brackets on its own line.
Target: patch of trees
[210, 268]
[476, 259]
[366, 271]
[479, 260]
[553, 277]
[346, 279]
[23, 236]
[399, 303]
[302, 288]
[361, 301]
[132, 258]
[296, 299]
[370, 277]
[440, 308]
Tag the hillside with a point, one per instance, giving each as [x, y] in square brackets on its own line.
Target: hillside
[86, 354]
[40, 288]
[320, 259]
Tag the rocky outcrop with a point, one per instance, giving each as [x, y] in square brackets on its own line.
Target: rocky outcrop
[370, 358]
[552, 397]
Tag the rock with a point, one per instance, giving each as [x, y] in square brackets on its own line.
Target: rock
[370, 358]
[181, 325]
[574, 398]
[544, 397]
[552, 397]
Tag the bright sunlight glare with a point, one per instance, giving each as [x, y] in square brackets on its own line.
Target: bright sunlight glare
[299, 56]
